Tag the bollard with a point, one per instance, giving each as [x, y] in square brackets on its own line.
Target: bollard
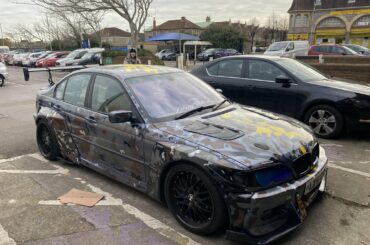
[149, 62]
[321, 60]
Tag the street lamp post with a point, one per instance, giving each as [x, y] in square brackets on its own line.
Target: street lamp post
[2, 34]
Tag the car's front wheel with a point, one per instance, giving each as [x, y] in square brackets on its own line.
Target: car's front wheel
[2, 80]
[326, 121]
[47, 141]
[194, 200]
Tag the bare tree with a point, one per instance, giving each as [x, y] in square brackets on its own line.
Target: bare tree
[135, 12]
[252, 30]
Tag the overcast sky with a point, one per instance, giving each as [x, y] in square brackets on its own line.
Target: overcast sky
[195, 10]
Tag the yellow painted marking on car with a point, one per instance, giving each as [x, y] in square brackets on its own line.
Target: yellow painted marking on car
[147, 69]
[302, 149]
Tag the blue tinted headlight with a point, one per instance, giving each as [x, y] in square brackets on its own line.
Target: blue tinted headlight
[273, 175]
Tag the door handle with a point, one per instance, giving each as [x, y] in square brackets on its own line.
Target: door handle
[249, 86]
[91, 120]
[57, 107]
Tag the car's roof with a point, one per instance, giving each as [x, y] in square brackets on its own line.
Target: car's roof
[258, 56]
[129, 71]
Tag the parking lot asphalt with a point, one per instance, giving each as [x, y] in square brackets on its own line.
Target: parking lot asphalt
[30, 186]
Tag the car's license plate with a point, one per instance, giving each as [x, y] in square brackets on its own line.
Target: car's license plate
[313, 183]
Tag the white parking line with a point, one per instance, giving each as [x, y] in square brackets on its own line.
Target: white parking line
[4, 237]
[331, 165]
[109, 200]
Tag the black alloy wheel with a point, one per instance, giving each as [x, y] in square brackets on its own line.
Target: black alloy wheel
[194, 200]
[46, 141]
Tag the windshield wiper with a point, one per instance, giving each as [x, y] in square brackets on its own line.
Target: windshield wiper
[220, 104]
[189, 113]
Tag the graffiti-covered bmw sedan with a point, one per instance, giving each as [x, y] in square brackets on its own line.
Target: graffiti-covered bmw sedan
[216, 165]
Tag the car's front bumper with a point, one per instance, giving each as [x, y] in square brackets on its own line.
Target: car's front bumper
[5, 75]
[263, 217]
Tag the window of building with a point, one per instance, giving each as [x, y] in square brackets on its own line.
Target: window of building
[351, 1]
[317, 2]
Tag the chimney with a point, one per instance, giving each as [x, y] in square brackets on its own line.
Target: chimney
[183, 18]
[154, 23]
[208, 19]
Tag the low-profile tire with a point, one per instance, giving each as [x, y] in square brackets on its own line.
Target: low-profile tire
[194, 200]
[325, 120]
[46, 141]
[2, 80]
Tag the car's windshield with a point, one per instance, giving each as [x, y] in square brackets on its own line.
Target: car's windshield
[167, 96]
[278, 46]
[88, 56]
[73, 54]
[301, 71]
[44, 55]
[350, 51]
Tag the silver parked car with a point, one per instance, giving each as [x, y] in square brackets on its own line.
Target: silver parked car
[75, 55]
[4, 75]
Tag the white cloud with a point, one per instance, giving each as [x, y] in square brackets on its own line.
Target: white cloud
[12, 14]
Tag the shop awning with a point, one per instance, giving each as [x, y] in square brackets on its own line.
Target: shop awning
[172, 37]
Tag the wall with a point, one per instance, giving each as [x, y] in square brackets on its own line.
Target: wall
[352, 68]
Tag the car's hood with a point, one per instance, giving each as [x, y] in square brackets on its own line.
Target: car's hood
[274, 53]
[347, 86]
[249, 136]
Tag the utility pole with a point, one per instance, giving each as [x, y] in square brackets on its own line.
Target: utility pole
[2, 34]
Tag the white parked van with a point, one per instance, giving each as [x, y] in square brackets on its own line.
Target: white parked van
[288, 49]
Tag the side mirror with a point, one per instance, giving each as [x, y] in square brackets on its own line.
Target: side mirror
[283, 80]
[120, 116]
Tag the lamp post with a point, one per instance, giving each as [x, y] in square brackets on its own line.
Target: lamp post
[2, 34]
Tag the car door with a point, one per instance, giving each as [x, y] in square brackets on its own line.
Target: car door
[266, 93]
[60, 125]
[228, 75]
[118, 147]
[77, 115]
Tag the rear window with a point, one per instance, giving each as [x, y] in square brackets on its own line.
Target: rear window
[75, 92]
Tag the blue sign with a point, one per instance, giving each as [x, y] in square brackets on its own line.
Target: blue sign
[86, 43]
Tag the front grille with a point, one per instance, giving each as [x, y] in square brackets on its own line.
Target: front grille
[303, 164]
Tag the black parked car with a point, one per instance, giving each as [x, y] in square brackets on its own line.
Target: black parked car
[208, 53]
[217, 165]
[226, 52]
[289, 87]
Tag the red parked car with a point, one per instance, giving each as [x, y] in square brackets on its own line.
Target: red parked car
[50, 60]
[331, 49]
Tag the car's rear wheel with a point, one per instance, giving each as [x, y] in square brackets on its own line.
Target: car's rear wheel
[326, 121]
[2, 80]
[46, 141]
[194, 200]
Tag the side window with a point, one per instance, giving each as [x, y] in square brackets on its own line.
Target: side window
[108, 95]
[59, 90]
[76, 89]
[230, 68]
[262, 70]
[213, 70]
[291, 46]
